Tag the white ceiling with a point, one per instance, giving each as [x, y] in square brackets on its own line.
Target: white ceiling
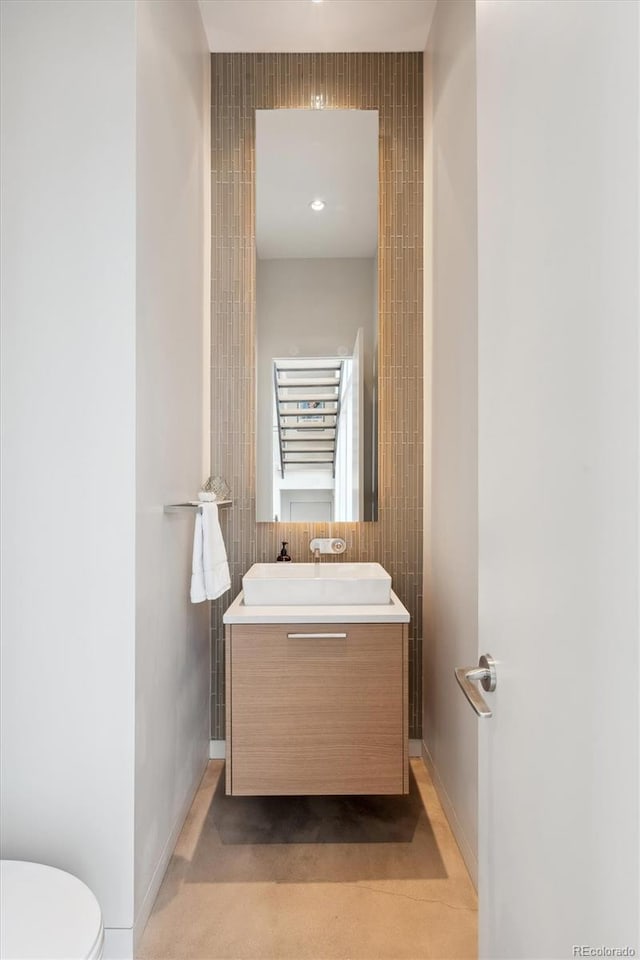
[331, 26]
[305, 154]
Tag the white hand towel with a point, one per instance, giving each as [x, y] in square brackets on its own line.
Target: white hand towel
[198, 593]
[210, 577]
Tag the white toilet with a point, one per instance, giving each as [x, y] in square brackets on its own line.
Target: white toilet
[47, 914]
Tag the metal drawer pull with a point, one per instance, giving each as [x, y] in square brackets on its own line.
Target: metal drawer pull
[485, 672]
[316, 636]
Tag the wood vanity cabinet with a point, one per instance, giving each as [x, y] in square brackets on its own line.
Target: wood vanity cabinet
[316, 708]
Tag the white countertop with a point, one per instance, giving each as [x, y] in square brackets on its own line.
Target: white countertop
[393, 612]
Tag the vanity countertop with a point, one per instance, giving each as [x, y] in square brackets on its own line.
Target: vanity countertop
[393, 612]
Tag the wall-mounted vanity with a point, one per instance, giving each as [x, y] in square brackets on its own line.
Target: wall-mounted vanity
[317, 692]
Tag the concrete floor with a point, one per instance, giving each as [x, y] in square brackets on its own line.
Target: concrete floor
[248, 901]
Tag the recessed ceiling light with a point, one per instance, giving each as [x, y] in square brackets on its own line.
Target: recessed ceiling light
[317, 204]
[316, 1]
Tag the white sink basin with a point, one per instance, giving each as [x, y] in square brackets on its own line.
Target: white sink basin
[299, 584]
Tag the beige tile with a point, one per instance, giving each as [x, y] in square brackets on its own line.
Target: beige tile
[391, 83]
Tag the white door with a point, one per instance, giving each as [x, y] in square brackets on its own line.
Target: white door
[558, 475]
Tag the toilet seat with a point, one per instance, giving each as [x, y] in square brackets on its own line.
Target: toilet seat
[47, 914]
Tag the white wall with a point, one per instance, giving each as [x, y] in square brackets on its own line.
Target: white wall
[68, 442]
[349, 463]
[103, 423]
[451, 468]
[316, 307]
[172, 642]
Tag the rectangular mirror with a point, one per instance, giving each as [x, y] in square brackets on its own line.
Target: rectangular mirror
[316, 314]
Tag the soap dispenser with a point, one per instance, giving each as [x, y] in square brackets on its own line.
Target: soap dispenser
[283, 556]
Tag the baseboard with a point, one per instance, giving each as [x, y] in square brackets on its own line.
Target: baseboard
[469, 857]
[118, 943]
[217, 749]
[161, 867]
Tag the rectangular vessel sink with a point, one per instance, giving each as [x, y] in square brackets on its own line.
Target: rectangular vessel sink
[300, 584]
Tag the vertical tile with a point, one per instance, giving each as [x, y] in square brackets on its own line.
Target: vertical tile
[392, 84]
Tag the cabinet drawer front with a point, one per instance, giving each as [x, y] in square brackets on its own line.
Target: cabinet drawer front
[317, 708]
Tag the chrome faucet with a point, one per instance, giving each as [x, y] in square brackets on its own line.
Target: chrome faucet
[321, 545]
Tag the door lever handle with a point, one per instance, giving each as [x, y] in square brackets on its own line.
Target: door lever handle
[485, 673]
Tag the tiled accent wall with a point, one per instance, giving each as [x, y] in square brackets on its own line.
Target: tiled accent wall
[392, 84]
